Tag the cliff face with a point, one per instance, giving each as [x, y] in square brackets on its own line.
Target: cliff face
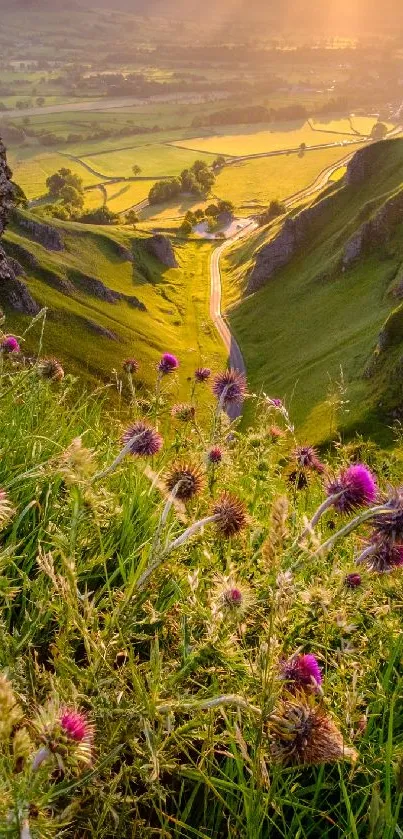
[298, 230]
[161, 247]
[13, 292]
[285, 245]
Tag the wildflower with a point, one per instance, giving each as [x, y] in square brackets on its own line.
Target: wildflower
[214, 456]
[142, 440]
[130, 365]
[302, 671]
[355, 487]
[9, 344]
[306, 457]
[185, 413]
[168, 364]
[390, 523]
[185, 481]
[382, 555]
[66, 734]
[202, 374]
[275, 433]
[75, 725]
[230, 387]
[231, 598]
[230, 515]
[274, 403]
[353, 580]
[302, 733]
[76, 462]
[50, 368]
[6, 508]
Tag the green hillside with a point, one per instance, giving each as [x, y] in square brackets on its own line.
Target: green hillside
[314, 333]
[91, 335]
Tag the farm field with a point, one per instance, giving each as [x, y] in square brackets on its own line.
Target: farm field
[30, 169]
[257, 141]
[251, 184]
[154, 160]
[121, 196]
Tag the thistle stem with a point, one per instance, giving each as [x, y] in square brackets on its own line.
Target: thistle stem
[184, 537]
[328, 502]
[348, 528]
[365, 554]
[126, 449]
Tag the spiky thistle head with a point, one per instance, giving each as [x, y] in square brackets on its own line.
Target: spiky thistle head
[355, 487]
[389, 525]
[230, 387]
[130, 365]
[306, 457]
[353, 580]
[9, 344]
[183, 412]
[202, 374]
[231, 515]
[186, 479]
[275, 433]
[65, 733]
[298, 478]
[144, 440]
[214, 455]
[231, 598]
[274, 402]
[51, 369]
[301, 672]
[6, 508]
[302, 733]
[168, 364]
[386, 556]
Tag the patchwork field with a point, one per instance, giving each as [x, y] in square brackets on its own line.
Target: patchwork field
[252, 184]
[31, 169]
[154, 160]
[277, 137]
[121, 196]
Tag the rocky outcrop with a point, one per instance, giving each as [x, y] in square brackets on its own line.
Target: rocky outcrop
[45, 234]
[95, 287]
[13, 292]
[374, 232]
[285, 245]
[363, 164]
[161, 247]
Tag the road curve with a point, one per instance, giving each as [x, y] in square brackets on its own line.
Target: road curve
[235, 356]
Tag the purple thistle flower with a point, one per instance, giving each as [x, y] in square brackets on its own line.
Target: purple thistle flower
[302, 671]
[183, 412]
[76, 726]
[168, 364]
[355, 487]
[275, 403]
[232, 597]
[202, 374]
[382, 555]
[214, 455]
[230, 387]
[144, 440]
[9, 344]
[389, 525]
[353, 580]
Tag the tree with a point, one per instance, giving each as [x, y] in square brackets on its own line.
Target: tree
[186, 228]
[136, 170]
[131, 217]
[302, 147]
[55, 183]
[40, 101]
[61, 179]
[71, 197]
[379, 131]
[219, 162]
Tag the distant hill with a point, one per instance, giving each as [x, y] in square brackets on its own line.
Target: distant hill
[338, 299]
[318, 15]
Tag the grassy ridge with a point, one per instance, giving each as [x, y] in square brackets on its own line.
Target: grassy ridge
[176, 300]
[332, 317]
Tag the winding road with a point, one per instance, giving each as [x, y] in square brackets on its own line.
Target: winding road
[235, 356]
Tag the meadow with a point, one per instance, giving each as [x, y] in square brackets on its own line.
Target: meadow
[154, 160]
[31, 169]
[252, 184]
[257, 140]
[168, 674]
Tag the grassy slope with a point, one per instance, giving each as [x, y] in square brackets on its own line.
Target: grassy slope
[333, 322]
[176, 299]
